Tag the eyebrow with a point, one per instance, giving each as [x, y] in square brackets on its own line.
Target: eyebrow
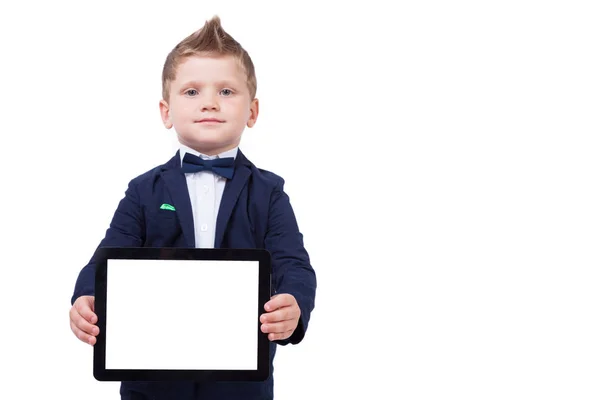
[219, 83]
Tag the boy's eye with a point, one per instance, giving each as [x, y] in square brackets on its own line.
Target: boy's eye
[191, 92]
[226, 92]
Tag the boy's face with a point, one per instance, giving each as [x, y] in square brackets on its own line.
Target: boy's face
[209, 104]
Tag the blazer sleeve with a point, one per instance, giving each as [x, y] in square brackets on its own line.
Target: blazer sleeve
[292, 271]
[126, 230]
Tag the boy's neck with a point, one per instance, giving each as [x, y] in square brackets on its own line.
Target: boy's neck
[210, 152]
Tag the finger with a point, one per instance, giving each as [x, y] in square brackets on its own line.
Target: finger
[280, 336]
[279, 301]
[85, 310]
[283, 314]
[84, 325]
[81, 335]
[278, 327]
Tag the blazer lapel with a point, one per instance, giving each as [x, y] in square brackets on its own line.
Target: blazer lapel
[232, 191]
[177, 187]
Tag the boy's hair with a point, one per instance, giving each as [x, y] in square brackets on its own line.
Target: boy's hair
[211, 39]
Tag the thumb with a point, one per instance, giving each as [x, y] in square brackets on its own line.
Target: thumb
[91, 303]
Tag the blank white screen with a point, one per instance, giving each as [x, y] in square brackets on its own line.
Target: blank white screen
[182, 314]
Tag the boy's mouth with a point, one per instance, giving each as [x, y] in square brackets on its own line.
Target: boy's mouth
[209, 121]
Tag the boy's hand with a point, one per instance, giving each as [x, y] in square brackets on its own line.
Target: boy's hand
[281, 318]
[83, 319]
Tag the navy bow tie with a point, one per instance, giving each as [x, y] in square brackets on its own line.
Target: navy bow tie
[220, 166]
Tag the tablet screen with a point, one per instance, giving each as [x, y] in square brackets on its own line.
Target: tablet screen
[181, 314]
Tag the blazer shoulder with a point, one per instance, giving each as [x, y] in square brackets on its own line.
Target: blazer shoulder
[261, 176]
[267, 178]
[149, 176]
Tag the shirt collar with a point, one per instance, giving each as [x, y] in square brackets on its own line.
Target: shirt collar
[185, 149]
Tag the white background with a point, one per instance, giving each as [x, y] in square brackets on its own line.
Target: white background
[442, 159]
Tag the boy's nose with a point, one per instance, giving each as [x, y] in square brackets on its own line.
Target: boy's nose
[209, 103]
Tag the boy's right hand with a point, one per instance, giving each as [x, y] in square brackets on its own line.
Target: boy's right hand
[83, 319]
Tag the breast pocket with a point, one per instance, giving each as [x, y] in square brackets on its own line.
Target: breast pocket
[162, 228]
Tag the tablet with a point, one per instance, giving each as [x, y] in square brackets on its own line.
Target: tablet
[168, 314]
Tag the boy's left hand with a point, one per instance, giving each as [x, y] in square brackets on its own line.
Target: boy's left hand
[281, 318]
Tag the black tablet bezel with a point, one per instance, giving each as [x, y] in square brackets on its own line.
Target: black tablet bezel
[147, 253]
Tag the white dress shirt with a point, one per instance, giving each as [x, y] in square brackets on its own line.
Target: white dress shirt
[206, 190]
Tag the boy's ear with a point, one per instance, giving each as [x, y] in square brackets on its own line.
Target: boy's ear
[253, 113]
[165, 114]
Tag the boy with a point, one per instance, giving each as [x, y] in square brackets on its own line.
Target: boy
[220, 198]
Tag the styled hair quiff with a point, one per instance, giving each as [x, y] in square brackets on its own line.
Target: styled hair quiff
[210, 40]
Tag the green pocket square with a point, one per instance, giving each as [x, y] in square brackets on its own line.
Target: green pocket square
[167, 207]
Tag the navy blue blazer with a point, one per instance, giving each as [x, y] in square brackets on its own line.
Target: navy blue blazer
[255, 212]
